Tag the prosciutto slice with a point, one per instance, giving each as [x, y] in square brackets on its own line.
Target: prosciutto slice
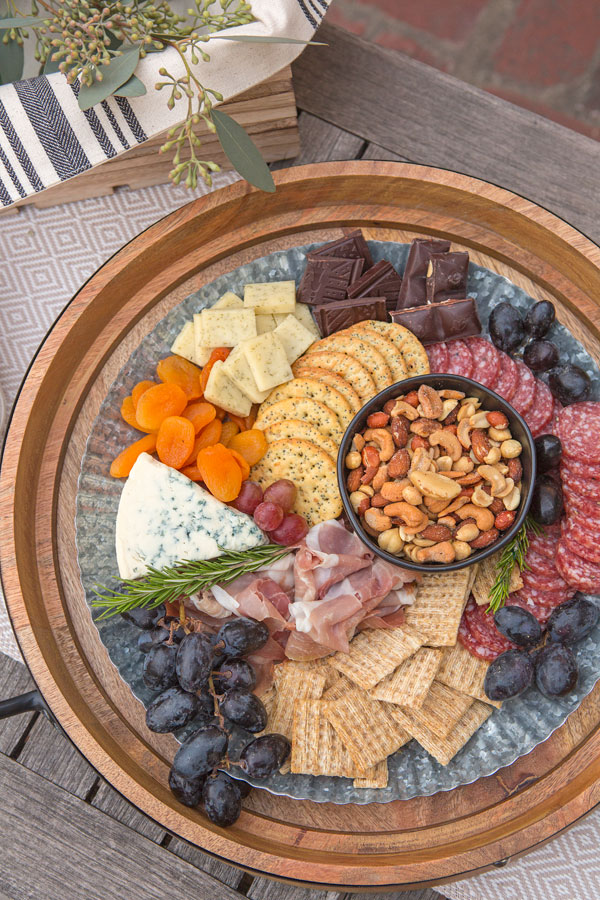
[327, 555]
[257, 597]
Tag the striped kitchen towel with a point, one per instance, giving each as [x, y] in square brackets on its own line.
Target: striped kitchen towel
[45, 138]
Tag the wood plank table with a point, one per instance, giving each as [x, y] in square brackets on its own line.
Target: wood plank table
[70, 833]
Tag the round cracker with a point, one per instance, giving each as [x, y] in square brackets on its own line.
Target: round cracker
[297, 428]
[302, 408]
[316, 390]
[344, 365]
[411, 348]
[327, 376]
[313, 472]
[388, 350]
[362, 351]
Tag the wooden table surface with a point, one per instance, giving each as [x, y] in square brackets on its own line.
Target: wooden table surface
[71, 834]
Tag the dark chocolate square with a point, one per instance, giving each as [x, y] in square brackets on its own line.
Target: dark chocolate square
[413, 291]
[381, 280]
[448, 276]
[332, 317]
[351, 245]
[327, 278]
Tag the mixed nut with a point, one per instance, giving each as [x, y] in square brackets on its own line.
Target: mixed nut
[434, 477]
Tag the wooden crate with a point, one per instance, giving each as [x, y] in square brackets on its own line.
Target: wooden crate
[267, 111]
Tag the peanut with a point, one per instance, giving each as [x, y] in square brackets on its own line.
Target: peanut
[413, 398]
[390, 540]
[417, 442]
[352, 460]
[510, 449]
[358, 442]
[367, 490]
[461, 549]
[467, 532]
[499, 434]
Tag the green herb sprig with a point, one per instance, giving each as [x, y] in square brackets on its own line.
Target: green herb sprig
[188, 577]
[513, 555]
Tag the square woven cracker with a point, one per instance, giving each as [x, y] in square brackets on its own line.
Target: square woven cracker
[438, 607]
[316, 747]
[375, 653]
[442, 709]
[340, 687]
[410, 683]
[464, 672]
[486, 576]
[444, 749]
[377, 777]
[366, 727]
[291, 684]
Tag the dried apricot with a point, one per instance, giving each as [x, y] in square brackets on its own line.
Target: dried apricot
[221, 413]
[175, 441]
[192, 472]
[140, 388]
[252, 445]
[220, 472]
[128, 412]
[210, 434]
[241, 463]
[123, 464]
[158, 403]
[218, 353]
[229, 430]
[177, 370]
[200, 414]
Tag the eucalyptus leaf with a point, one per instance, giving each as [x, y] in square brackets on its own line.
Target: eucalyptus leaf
[263, 39]
[20, 22]
[114, 74]
[242, 152]
[50, 66]
[11, 62]
[132, 88]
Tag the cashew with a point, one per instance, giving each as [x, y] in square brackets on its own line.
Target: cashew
[463, 433]
[402, 408]
[449, 394]
[450, 442]
[412, 516]
[432, 484]
[421, 461]
[353, 460]
[500, 434]
[467, 532]
[434, 453]
[479, 420]
[444, 463]
[474, 458]
[483, 517]
[447, 407]
[502, 468]
[442, 553]
[430, 401]
[493, 456]
[474, 401]
[392, 491]
[390, 540]
[513, 499]
[410, 550]
[383, 439]
[464, 464]
[454, 506]
[481, 498]
[466, 411]
[367, 489]
[377, 520]
[446, 520]
[510, 449]
[509, 486]
[411, 495]
[494, 477]
[461, 549]
[381, 476]
[356, 498]
[358, 442]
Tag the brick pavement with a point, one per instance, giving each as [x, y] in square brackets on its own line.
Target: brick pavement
[540, 54]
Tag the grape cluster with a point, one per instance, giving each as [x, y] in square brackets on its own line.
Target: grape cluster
[553, 667]
[271, 510]
[203, 678]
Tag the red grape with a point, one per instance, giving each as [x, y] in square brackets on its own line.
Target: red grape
[282, 492]
[248, 498]
[268, 516]
[291, 531]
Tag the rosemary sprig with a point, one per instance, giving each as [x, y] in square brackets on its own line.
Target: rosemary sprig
[183, 579]
[513, 554]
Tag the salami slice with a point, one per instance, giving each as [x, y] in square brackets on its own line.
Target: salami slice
[585, 487]
[539, 416]
[544, 544]
[580, 574]
[553, 581]
[472, 645]
[553, 427]
[544, 598]
[538, 564]
[438, 357]
[460, 361]
[483, 628]
[573, 503]
[587, 551]
[579, 430]
[486, 361]
[541, 613]
[523, 397]
[584, 531]
[508, 377]
[582, 470]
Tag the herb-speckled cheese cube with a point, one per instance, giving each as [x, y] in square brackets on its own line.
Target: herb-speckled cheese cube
[267, 360]
[224, 327]
[271, 297]
[236, 367]
[305, 317]
[294, 337]
[221, 391]
[185, 344]
[265, 323]
[229, 300]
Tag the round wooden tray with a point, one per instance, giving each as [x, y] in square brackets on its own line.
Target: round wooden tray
[417, 842]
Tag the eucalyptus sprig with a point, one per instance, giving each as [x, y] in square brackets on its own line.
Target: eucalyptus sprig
[513, 555]
[188, 577]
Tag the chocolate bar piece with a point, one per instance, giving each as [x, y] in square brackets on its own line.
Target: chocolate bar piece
[445, 321]
[381, 280]
[327, 278]
[413, 291]
[352, 245]
[332, 317]
[447, 276]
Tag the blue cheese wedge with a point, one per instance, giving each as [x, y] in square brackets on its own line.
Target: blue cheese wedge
[224, 327]
[294, 337]
[268, 361]
[270, 297]
[237, 369]
[222, 391]
[164, 518]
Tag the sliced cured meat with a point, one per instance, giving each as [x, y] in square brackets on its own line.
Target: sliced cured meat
[585, 487]
[474, 647]
[574, 502]
[438, 357]
[579, 430]
[579, 573]
[541, 613]
[460, 360]
[523, 397]
[553, 427]
[544, 544]
[540, 415]
[543, 597]
[585, 531]
[538, 564]
[486, 361]
[482, 627]
[508, 377]
[553, 581]
[587, 551]
[582, 470]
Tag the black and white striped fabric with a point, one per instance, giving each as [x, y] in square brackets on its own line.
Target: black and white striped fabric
[45, 138]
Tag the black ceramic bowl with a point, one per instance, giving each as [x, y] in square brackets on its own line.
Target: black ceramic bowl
[489, 401]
